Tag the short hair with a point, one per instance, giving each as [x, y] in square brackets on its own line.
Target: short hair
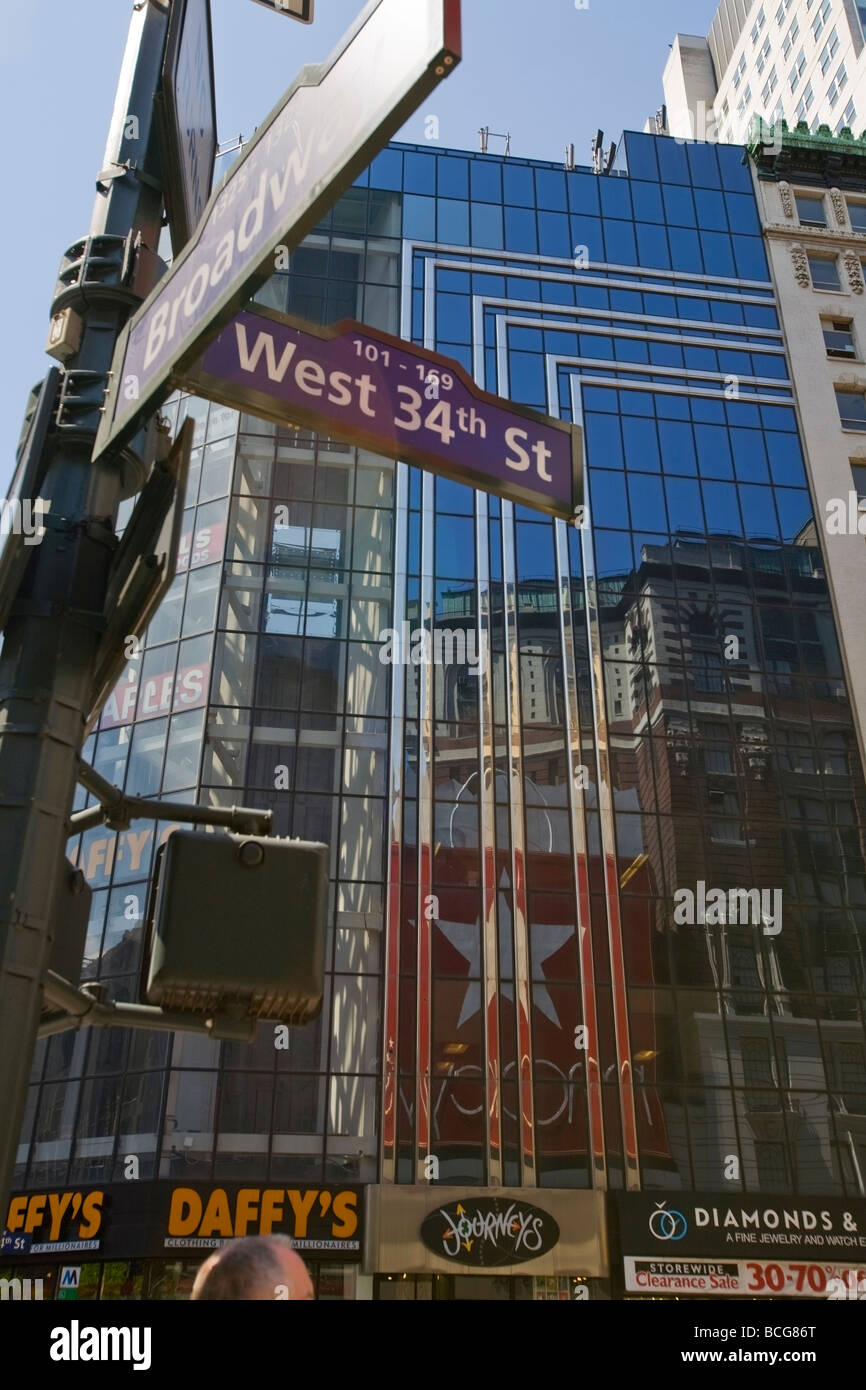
[245, 1270]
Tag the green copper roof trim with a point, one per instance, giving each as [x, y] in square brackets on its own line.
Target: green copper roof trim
[779, 151]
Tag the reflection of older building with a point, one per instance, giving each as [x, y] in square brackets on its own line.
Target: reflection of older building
[738, 794]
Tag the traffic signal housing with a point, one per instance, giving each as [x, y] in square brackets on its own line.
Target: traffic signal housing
[236, 927]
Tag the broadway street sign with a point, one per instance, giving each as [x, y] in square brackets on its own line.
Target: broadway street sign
[320, 136]
[354, 383]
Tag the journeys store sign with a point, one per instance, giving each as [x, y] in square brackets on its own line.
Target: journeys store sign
[486, 1232]
[758, 1246]
[134, 1219]
[413, 1229]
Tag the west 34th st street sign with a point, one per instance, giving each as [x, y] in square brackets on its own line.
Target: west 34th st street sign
[320, 136]
[373, 390]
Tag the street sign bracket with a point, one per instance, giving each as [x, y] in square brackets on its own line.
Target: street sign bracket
[120, 171]
[116, 809]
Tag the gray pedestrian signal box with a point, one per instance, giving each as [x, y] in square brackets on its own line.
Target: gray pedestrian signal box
[236, 927]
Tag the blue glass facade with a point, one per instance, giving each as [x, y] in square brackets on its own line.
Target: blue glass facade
[512, 991]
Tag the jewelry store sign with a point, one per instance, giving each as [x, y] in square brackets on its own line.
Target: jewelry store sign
[745, 1246]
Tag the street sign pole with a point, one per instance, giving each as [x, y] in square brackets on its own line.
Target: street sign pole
[53, 631]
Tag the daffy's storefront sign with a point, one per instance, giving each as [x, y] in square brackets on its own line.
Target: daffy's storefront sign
[53, 1223]
[535, 1231]
[489, 1232]
[132, 1220]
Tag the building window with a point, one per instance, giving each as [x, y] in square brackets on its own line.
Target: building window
[738, 72]
[759, 1071]
[821, 18]
[770, 86]
[852, 408]
[810, 210]
[839, 337]
[829, 51]
[772, 1166]
[791, 37]
[848, 117]
[805, 102]
[715, 741]
[824, 272]
[847, 1073]
[763, 55]
[861, 11]
[857, 213]
[797, 71]
[725, 108]
[858, 473]
[758, 25]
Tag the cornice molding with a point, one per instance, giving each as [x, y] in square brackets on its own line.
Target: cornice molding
[782, 153]
[825, 237]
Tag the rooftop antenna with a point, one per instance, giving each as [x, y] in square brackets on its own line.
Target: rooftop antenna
[485, 133]
[611, 158]
[570, 165]
[660, 121]
[596, 148]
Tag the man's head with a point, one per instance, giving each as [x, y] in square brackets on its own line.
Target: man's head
[257, 1267]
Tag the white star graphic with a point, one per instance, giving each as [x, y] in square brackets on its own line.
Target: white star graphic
[547, 939]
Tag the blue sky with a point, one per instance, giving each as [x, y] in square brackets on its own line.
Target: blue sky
[546, 71]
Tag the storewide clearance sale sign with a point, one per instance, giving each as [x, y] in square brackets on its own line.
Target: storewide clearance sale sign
[753, 1278]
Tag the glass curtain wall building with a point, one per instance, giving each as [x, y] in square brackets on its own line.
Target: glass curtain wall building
[527, 989]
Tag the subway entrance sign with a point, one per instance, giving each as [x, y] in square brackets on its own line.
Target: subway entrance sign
[373, 390]
[320, 136]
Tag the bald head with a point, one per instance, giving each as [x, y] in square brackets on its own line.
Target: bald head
[255, 1268]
